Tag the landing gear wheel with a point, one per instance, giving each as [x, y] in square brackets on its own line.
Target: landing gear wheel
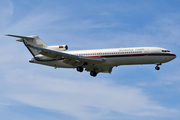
[157, 68]
[93, 73]
[79, 69]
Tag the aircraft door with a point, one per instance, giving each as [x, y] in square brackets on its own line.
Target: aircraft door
[99, 54]
[146, 52]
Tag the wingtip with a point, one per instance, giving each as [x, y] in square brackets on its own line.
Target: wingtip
[6, 34]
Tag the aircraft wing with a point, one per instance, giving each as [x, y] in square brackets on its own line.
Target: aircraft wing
[69, 58]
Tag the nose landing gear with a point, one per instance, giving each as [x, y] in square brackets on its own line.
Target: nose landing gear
[157, 66]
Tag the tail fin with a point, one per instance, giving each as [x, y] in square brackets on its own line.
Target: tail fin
[31, 40]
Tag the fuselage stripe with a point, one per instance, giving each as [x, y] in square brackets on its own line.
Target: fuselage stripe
[134, 55]
[130, 55]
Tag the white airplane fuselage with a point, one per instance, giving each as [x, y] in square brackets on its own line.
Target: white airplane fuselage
[117, 56]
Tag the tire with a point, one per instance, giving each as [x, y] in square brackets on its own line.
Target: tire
[157, 68]
[93, 73]
[79, 69]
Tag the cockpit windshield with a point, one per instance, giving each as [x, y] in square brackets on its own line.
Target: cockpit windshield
[165, 51]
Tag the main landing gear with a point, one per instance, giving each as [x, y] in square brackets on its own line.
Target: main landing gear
[157, 66]
[93, 73]
[79, 69]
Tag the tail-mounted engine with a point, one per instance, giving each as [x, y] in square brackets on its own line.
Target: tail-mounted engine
[58, 47]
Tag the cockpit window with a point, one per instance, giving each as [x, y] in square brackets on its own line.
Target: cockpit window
[165, 51]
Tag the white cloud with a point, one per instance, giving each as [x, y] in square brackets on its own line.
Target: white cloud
[37, 19]
[33, 22]
[149, 35]
[6, 11]
[162, 32]
[81, 97]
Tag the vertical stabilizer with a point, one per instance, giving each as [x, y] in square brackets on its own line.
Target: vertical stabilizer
[31, 40]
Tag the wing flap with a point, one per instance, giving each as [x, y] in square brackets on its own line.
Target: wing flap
[73, 62]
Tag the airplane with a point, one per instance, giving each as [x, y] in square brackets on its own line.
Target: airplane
[93, 61]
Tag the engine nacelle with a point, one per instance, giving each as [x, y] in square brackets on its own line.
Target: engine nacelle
[58, 47]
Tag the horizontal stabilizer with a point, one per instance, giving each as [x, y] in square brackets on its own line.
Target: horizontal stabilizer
[29, 37]
[21, 37]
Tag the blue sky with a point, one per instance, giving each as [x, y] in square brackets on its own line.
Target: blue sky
[30, 91]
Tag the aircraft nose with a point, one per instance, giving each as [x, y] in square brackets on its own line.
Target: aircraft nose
[174, 56]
